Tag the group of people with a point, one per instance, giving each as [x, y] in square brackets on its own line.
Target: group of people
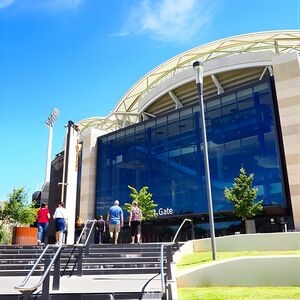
[114, 221]
[43, 217]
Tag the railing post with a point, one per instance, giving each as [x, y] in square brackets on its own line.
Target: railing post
[192, 229]
[26, 295]
[176, 244]
[87, 249]
[45, 289]
[79, 261]
[162, 274]
[56, 275]
[169, 261]
[91, 236]
[169, 295]
[171, 285]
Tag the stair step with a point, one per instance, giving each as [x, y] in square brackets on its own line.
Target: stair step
[27, 260]
[20, 272]
[102, 259]
[121, 265]
[122, 246]
[121, 259]
[124, 254]
[155, 295]
[105, 271]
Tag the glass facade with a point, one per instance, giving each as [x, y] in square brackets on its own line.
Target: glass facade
[166, 154]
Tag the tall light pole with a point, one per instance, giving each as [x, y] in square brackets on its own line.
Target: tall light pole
[198, 67]
[50, 122]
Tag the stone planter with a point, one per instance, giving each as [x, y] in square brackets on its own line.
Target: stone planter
[25, 235]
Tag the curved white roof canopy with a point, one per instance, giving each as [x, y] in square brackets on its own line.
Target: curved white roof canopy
[126, 111]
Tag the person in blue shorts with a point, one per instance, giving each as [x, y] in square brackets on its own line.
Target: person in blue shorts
[60, 217]
[115, 220]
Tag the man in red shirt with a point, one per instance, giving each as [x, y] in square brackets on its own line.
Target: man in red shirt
[43, 216]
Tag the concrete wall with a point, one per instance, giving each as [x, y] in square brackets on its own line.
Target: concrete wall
[248, 242]
[279, 270]
[287, 81]
[88, 175]
[245, 271]
[187, 248]
[71, 180]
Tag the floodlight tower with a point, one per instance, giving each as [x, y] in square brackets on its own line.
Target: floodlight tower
[50, 122]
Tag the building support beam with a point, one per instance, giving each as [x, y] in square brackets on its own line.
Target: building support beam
[217, 84]
[148, 114]
[124, 121]
[263, 73]
[276, 47]
[144, 117]
[269, 68]
[178, 104]
[126, 113]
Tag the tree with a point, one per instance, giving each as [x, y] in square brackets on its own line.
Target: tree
[1, 232]
[243, 197]
[17, 211]
[145, 202]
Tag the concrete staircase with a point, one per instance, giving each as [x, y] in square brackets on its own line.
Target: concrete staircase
[18, 260]
[118, 261]
[122, 259]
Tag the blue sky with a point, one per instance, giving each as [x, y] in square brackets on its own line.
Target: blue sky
[81, 56]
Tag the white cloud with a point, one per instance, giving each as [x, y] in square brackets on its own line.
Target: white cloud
[120, 34]
[60, 4]
[5, 3]
[43, 5]
[169, 20]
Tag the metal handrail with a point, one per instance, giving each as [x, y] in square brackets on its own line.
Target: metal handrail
[175, 237]
[84, 229]
[82, 232]
[88, 237]
[22, 286]
[162, 275]
[25, 289]
[82, 246]
[33, 268]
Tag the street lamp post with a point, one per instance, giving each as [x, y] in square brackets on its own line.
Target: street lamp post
[198, 67]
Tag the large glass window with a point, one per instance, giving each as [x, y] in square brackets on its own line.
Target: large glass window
[166, 154]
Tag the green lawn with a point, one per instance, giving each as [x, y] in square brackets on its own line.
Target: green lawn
[239, 293]
[199, 258]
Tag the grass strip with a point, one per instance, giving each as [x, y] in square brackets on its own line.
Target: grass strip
[199, 258]
[239, 293]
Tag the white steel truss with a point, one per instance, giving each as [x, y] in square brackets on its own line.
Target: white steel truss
[126, 111]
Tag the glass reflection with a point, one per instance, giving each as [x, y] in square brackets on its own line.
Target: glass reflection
[165, 154]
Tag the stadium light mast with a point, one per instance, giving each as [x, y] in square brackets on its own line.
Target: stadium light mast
[198, 67]
[50, 122]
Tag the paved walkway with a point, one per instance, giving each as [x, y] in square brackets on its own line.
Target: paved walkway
[91, 283]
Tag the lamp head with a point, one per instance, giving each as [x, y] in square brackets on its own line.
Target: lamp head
[198, 67]
[53, 117]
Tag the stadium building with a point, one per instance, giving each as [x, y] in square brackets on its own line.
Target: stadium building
[153, 138]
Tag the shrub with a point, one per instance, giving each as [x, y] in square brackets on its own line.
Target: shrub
[17, 211]
[243, 196]
[145, 202]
